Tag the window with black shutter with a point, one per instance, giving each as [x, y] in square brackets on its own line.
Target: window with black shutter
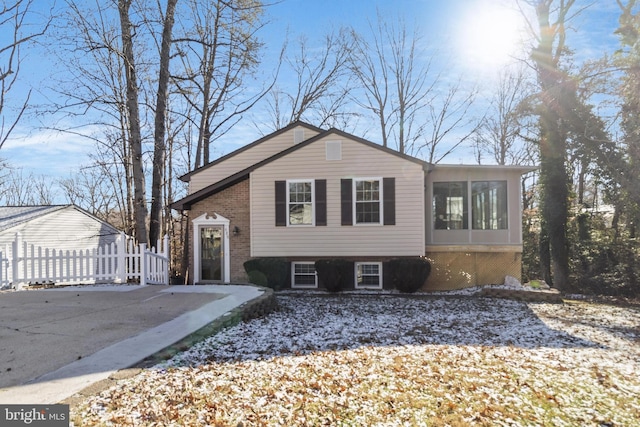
[300, 202]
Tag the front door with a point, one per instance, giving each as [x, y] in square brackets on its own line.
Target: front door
[211, 253]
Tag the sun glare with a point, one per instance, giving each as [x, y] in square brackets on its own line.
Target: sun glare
[490, 36]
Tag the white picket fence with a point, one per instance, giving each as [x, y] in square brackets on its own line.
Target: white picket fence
[23, 264]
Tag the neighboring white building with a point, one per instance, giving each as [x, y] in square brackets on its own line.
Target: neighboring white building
[60, 227]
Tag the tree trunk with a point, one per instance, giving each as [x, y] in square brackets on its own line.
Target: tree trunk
[553, 140]
[135, 136]
[159, 146]
[555, 211]
[545, 253]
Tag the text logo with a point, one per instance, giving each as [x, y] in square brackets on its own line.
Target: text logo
[34, 415]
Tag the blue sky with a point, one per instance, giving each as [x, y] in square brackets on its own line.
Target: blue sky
[454, 27]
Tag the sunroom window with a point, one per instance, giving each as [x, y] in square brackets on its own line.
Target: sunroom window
[450, 211]
[489, 210]
[489, 205]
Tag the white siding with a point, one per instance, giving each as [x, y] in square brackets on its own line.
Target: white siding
[246, 158]
[406, 238]
[65, 229]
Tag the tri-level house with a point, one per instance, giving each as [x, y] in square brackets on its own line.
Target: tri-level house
[303, 193]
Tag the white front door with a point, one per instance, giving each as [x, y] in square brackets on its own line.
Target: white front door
[211, 249]
[212, 253]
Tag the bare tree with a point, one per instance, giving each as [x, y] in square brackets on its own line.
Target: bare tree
[133, 115]
[219, 50]
[111, 74]
[159, 146]
[19, 189]
[94, 90]
[449, 123]
[499, 135]
[89, 189]
[322, 84]
[396, 81]
[12, 21]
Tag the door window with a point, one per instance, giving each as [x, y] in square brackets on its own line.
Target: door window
[211, 253]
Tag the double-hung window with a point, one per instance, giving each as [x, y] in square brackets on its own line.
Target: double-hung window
[303, 275]
[368, 275]
[300, 202]
[367, 201]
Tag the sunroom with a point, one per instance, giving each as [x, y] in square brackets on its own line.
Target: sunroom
[473, 224]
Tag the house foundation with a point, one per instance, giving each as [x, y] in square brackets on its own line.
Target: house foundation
[451, 270]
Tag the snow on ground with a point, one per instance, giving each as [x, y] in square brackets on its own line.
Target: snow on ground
[389, 360]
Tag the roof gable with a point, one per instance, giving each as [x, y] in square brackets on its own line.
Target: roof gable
[187, 201]
[186, 177]
[10, 216]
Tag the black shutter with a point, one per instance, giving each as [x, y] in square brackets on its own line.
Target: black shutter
[281, 203]
[389, 200]
[321, 201]
[346, 202]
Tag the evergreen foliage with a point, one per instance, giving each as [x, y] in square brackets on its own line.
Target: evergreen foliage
[408, 274]
[269, 272]
[334, 275]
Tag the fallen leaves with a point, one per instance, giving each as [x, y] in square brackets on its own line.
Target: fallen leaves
[392, 361]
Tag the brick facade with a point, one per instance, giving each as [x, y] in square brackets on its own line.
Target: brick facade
[232, 203]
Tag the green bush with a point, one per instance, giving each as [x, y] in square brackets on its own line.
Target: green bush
[408, 274]
[334, 274]
[269, 272]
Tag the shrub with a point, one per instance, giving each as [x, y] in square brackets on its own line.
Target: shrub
[408, 274]
[334, 274]
[270, 272]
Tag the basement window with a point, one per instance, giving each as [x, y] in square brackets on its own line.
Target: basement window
[303, 275]
[368, 275]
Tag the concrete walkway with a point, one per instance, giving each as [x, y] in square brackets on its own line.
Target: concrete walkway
[205, 304]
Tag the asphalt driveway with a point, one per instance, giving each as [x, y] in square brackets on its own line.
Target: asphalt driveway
[51, 334]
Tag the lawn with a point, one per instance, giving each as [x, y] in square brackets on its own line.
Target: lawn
[385, 360]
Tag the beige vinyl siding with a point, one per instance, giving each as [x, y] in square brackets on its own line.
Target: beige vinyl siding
[65, 229]
[511, 236]
[246, 158]
[406, 238]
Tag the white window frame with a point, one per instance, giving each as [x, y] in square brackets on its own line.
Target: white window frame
[313, 202]
[205, 220]
[358, 264]
[355, 201]
[293, 276]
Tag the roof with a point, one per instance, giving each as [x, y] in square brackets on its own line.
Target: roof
[522, 169]
[10, 216]
[186, 202]
[295, 124]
